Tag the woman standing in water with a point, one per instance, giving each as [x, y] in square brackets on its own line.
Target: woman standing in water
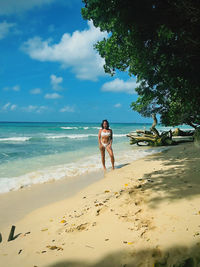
[105, 138]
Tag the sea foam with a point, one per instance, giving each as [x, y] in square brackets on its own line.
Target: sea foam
[69, 128]
[86, 165]
[15, 139]
[71, 136]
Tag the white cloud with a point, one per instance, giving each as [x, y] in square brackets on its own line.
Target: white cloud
[67, 109]
[32, 108]
[13, 107]
[36, 91]
[9, 7]
[55, 82]
[52, 96]
[118, 105]
[41, 109]
[5, 28]
[119, 85]
[73, 51]
[15, 88]
[6, 106]
[9, 107]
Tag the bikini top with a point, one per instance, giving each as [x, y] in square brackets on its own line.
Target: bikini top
[105, 133]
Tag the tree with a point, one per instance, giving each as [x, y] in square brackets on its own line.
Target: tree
[159, 43]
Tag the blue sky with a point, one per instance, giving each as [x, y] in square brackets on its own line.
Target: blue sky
[49, 70]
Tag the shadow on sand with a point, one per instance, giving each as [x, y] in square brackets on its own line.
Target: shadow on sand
[173, 257]
[121, 165]
[181, 180]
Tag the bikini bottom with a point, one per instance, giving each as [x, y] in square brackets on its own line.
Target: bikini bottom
[105, 144]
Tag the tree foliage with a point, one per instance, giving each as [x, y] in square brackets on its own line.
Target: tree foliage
[157, 41]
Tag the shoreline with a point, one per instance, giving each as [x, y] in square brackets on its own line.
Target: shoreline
[138, 215]
[52, 191]
[12, 204]
[69, 170]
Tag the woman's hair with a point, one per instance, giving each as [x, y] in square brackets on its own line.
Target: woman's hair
[107, 124]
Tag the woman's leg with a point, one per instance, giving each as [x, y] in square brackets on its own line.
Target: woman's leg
[110, 152]
[102, 149]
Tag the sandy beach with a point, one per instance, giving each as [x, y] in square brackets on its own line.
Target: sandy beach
[146, 213]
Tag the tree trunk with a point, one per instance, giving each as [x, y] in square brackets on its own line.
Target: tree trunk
[197, 136]
[153, 138]
[153, 129]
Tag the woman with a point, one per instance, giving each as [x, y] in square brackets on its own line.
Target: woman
[105, 138]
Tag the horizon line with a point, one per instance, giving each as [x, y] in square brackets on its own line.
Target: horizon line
[66, 122]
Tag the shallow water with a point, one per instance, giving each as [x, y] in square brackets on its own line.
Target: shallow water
[32, 153]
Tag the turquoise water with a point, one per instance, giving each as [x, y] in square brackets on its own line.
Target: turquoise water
[38, 152]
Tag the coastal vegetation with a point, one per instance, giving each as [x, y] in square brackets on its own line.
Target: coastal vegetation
[158, 42]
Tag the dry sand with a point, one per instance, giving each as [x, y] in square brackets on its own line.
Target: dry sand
[16, 204]
[145, 214]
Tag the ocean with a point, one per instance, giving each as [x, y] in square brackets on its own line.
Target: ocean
[37, 152]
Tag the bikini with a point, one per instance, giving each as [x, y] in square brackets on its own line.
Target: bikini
[105, 134]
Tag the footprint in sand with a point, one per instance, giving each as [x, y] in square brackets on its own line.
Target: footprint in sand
[54, 247]
[81, 227]
[138, 211]
[99, 211]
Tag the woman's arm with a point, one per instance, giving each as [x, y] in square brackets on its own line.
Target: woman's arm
[111, 137]
[99, 137]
